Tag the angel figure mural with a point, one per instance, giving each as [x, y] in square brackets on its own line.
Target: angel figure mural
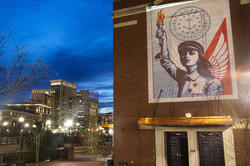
[205, 70]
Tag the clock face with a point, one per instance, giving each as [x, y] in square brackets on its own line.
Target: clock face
[189, 23]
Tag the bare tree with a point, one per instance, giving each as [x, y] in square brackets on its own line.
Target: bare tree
[95, 141]
[16, 73]
[239, 111]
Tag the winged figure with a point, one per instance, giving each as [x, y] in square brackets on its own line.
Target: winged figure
[217, 55]
[207, 74]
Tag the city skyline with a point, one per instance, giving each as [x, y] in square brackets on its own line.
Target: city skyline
[74, 39]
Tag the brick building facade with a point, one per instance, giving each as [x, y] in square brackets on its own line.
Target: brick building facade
[142, 139]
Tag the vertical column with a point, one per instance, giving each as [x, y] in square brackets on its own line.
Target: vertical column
[160, 146]
[193, 151]
[228, 143]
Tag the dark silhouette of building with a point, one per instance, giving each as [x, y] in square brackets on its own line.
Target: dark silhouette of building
[86, 102]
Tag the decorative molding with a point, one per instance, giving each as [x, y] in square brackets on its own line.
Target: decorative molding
[135, 9]
[243, 2]
[123, 24]
[157, 2]
[184, 121]
[129, 11]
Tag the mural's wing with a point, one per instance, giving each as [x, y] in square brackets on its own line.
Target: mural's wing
[220, 59]
[218, 54]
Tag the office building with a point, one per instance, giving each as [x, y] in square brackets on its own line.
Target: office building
[65, 93]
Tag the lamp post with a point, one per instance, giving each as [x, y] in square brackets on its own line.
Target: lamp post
[68, 124]
[21, 120]
[48, 123]
[38, 128]
[68, 147]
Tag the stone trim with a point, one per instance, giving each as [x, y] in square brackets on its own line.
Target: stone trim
[129, 11]
[123, 24]
[157, 2]
[134, 9]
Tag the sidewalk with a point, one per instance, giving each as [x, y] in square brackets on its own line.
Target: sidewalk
[70, 163]
[81, 159]
[88, 157]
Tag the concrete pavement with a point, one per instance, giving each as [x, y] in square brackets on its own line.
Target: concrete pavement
[81, 159]
[70, 163]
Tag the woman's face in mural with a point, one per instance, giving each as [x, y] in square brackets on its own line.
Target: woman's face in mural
[189, 58]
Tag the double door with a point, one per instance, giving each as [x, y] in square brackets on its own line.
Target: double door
[177, 148]
[210, 144]
[211, 149]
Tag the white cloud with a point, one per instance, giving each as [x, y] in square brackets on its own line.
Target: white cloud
[106, 110]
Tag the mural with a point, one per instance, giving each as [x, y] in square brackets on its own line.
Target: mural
[190, 52]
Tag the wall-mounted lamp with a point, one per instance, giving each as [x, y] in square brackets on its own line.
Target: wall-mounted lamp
[188, 115]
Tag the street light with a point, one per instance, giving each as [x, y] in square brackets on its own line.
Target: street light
[67, 124]
[26, 125]
[21, 120]
[5, 123]
[48, 123]
[55, 131]
[111, 131]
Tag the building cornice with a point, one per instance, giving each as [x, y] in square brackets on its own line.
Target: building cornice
[133, 10]
[157, 2]
[24, 105]
[129, 11]
[142, 8]
[145, 123]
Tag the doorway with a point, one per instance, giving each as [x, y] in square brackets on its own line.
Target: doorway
[211, 149]
[192, 133]
[177, 148]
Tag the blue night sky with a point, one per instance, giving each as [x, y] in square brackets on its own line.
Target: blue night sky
[73, 37]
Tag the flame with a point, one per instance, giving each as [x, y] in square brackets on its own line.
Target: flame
[160, 16]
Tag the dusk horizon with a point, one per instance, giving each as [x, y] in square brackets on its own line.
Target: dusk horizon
[74, 39]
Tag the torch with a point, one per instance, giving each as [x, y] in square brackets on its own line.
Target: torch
[160, 31]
